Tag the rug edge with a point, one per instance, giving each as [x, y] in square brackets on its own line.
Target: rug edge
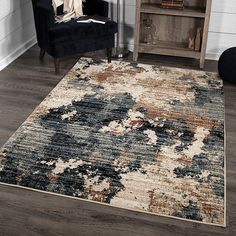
[106, 204]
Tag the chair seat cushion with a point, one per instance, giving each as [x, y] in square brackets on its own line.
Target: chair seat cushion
[72, 30]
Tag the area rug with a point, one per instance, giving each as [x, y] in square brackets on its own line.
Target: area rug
[134, 136]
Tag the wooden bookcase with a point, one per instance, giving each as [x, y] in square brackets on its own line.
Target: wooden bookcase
[173, 28]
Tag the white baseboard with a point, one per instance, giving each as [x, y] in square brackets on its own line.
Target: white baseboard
[19, 51]
[213, 56]
[24, 47]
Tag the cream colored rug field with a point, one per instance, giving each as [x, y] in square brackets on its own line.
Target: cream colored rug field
[135, 136]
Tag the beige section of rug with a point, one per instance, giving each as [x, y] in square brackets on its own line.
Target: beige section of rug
[135, 136]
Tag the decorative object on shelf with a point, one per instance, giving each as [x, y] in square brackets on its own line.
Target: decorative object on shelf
[197, 43]
[173, 4]
[191, 43]
[148, 31]
[140, 137]
[194, 43]
[155, 34]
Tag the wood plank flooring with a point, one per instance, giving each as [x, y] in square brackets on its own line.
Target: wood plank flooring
[23, 85]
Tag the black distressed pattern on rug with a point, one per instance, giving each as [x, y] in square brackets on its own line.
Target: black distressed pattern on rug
[134, 136]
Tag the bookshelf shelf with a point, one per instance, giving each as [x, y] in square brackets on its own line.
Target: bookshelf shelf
[187, 12]
[172, 29]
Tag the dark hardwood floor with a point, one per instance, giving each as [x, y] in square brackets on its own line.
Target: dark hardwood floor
[23, 85]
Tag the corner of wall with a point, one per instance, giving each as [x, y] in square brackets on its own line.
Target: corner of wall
[19, 51]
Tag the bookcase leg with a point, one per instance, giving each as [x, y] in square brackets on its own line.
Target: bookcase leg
[135, 55]
[202, 62]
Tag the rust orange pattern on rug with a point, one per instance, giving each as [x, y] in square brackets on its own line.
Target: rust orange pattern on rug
[135, 136]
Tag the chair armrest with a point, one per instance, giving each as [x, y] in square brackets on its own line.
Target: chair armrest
[96, 7]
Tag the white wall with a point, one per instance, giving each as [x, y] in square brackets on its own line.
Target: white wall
[17, 32]
[222, 30]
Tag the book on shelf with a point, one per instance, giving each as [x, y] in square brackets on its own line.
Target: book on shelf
[173, 4]
[93, 19]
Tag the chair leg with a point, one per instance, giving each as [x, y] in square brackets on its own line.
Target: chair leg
[57, 65]
[41, 55]
[109, 54]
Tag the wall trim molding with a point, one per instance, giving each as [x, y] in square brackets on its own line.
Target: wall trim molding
[18, 52]
[213, 56]
[24, 47]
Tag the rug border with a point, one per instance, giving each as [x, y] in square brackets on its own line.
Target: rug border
[106, 204]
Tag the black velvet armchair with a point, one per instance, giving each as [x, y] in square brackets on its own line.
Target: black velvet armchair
[65, 39]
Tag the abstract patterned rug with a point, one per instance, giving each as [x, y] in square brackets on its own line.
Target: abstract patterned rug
[134, 136]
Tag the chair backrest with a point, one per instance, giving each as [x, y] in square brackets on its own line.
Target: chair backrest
[44, 19]
[96, 7]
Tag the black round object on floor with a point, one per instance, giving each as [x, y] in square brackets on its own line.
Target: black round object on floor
[227, 65]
